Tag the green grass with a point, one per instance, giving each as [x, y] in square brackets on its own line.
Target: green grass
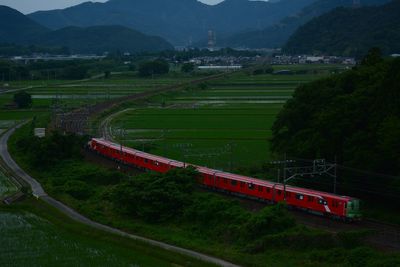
[6, 186]
[226, 124]
[34, 234]
[217, 137]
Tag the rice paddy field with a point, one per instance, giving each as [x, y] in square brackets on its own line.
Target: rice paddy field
[77, 93]
[226, 125]
[49, 239]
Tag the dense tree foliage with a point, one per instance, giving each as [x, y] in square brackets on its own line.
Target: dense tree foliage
[44, 152]
[187, 67]
[23, 99]
[354, 116]
[350, 32]
[155, 67]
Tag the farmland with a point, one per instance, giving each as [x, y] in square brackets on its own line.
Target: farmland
[34, 234]
[226, 124]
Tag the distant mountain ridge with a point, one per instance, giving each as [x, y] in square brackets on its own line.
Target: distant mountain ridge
[16, 28]
[99, 39]
[178, 21]
[350, 32]
[278, 34]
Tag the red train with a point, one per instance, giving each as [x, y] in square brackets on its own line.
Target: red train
[343, 207]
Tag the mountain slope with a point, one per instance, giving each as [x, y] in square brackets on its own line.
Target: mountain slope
[276, 35]
[179, 21]
[350, 32]
[16, 27]
[99, 39]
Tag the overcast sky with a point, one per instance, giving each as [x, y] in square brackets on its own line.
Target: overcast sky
[28, 6]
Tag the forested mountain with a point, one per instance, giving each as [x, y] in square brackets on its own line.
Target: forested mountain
[16, 27]
[178, 21]
[354, 116]
[350, 32]
[278, 34]
[99, 39]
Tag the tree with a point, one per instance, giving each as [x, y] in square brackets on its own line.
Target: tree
[75, 72]
[187, 67]
[23, 99]
[150, 68]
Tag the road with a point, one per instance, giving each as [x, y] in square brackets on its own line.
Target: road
[38, 191]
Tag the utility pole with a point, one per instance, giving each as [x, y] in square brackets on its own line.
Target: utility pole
[318, 167]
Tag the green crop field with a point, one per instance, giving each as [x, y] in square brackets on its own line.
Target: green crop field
[44, 237]
[225, 125]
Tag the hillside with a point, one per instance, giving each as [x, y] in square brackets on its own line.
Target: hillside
[99, 39]
[178, 21]
[16, 27]
[350, 32]
[278, 34]
[354, 116]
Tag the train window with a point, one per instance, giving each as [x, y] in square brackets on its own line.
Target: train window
[268, 190]
[241, 184]
[322, 202]
[233, 182]
[279, 192]
[251, 186]
[260, 188]
[310, 199]
[299, 197]
[146, 160]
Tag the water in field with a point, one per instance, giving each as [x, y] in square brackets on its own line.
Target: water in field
[28, 240]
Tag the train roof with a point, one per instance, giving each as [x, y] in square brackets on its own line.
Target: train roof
[237, 177]
[133, 151]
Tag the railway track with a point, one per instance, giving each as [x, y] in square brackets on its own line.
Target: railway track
[76, 121]
[383, 235]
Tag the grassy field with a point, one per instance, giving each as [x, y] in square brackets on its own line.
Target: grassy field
[6, 186]
[33, 234]
[225, 125]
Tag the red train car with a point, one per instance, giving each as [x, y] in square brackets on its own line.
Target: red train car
[343, 207]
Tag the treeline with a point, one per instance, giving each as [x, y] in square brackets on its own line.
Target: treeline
[353, 116]
[9, 50]
[56, 69]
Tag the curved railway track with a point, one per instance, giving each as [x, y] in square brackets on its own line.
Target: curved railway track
[385, 236]
[77, 120]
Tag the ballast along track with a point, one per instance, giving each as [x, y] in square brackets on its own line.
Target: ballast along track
[77, 120]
